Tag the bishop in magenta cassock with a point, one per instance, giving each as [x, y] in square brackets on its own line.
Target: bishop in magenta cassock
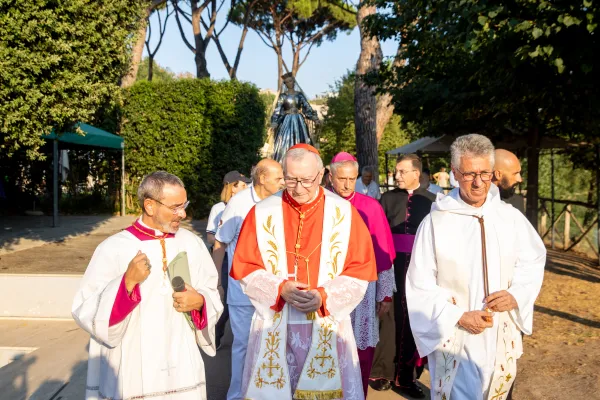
[378, 298]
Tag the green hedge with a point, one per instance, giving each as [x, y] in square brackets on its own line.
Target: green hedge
[196, 129]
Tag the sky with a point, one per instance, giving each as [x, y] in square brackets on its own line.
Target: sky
[258, 63]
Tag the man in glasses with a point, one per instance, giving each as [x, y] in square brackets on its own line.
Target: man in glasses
[405, 207]
[305, 259]
[144, 336]
[267, 179]
[476, 270]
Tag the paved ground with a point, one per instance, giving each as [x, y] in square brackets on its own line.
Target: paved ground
[21, 233]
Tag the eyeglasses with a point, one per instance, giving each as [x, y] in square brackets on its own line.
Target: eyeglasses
[470, 176]
[175, 209]
[402, 172]
[306, 183]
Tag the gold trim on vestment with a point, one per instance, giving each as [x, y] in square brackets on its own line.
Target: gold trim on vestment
[324, 362]
[273, 253]
[318, 395]
[334, 246]
[273, 359]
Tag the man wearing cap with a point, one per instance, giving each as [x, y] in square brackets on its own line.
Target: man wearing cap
[405, 208]
[378, 298]
[305, 261]
[267, 179]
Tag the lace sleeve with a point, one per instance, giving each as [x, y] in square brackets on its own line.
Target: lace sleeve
[386, 284]
[262, 288]
[343, 295]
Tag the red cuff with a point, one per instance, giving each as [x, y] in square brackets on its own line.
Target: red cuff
[199, 316]
[387, 299]
[323, 310]
[124, 303]
[279, 302]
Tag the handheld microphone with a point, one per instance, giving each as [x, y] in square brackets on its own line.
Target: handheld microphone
[178, 284]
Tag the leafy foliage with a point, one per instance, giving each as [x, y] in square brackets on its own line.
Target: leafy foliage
[60, 63]
[159, 73]
[499, 68]
[196, 129]
[303, 23]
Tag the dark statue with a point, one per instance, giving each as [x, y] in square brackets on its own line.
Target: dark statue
[288, 119]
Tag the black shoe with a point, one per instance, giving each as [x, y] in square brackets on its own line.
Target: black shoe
[410, 389]
[380, 384]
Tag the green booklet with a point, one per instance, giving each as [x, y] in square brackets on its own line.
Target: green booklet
[180, 266]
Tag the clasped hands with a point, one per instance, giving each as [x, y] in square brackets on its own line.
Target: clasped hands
[476, 322]
[303, 300]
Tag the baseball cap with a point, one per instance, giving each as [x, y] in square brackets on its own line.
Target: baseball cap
[235, 176]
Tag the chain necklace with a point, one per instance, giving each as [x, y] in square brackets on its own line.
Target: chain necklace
[296, 252]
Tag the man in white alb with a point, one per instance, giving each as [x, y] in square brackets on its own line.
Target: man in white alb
[145, 337]
[477, 267]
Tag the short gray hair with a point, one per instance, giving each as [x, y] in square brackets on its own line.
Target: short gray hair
[472, 145]
[299, 154]
[152, 186]
[367, 168]
[336, 165]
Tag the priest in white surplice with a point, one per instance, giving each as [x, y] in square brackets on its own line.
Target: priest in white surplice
[476, 269]
[145, 337]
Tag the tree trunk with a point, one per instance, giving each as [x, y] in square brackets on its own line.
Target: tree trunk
[365, 102]
[279, 70]
[385, 110]
[296, 61]
[200, 56]
[137, 52]
[150, 67]
[533, 160]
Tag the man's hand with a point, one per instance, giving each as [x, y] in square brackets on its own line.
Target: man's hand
[383, 307]
[188, 300]
[301, 300]
[501, 301]
[476, 322]
[137, 270]
[313, 304]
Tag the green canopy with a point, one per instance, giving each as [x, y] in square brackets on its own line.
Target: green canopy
[93, 137]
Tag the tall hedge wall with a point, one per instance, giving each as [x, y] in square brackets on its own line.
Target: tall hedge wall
[196, 129]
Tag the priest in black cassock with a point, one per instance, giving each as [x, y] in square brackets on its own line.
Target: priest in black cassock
[396, 356]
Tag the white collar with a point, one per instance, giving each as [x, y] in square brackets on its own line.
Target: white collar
[410, 191]
[156, 231]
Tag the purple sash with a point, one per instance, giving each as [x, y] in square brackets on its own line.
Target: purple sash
[403, 243]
